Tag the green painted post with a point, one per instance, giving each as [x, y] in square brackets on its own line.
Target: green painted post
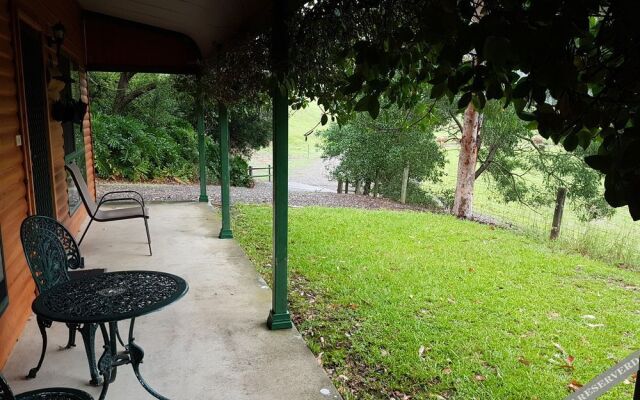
[279, 317]
[202, 154]
[223, 118]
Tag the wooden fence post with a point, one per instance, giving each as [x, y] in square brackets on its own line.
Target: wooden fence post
[339, 186]
[250, 171]
[376, 185]
[269, 172]
[405, 181]
[557, 214]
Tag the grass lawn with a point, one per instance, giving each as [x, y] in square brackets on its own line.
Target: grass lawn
[615, 239]
[428, 306]
[301, 151]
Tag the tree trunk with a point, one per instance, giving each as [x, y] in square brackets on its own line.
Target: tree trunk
[376, 185]
[346, 187]
[405, 181]
[123, 97]
[367, 187]
[339, 186]
[463, 202]
[358, 189]
[557, 214]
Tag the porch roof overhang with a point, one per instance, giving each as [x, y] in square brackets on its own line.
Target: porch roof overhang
[170, 36]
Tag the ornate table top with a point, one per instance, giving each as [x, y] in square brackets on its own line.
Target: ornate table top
[109, 297]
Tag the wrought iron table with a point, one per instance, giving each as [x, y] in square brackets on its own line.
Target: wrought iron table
[105, 300]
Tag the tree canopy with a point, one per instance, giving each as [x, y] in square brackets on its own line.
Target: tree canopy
[569, 67]
[377, 151]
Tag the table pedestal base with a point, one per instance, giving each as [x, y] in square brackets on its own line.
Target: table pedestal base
[111, 359]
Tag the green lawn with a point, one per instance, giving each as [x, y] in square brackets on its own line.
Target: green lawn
[301, 151]
[615, 240]
[426, 305]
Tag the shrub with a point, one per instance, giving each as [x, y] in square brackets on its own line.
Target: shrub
[127, 148]
[415, 193]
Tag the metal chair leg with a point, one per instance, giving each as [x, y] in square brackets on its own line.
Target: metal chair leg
[85, 231]
[88, 332]
[146, 225]
[43, 324]
[73, 328]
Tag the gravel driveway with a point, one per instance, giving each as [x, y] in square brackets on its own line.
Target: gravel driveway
[299, 195]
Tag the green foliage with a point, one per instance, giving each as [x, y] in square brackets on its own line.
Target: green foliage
[127, 148]
[569, 67]
[370, 150]
[430, 307]
[152, 137]
[511, 153]
[249, 117]
[416, 194]
[250, 127]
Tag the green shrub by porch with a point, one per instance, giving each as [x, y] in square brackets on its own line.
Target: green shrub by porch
[127, 148]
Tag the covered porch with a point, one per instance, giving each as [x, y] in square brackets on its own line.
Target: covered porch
[212, 344]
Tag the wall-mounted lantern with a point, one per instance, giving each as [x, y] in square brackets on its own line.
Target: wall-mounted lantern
[57, 37]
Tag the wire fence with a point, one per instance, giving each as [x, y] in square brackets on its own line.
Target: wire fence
[615, 239]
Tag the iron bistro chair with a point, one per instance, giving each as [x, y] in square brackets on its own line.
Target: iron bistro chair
[42, 394]
[96, 214]
[51, 252]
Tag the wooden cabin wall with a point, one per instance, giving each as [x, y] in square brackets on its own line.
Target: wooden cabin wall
[13, 194]
[15, 197]
[47, 13]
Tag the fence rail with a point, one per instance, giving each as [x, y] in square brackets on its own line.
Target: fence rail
[268, 175]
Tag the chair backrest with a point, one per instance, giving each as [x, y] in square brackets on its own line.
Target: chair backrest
[83, 190]
[50, 250]
[5, 390]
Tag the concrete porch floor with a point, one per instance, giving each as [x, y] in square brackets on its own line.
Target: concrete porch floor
[212, 344]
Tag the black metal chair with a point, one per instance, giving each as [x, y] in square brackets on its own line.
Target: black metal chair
[56, 393]
[51, 252]
[96, 214]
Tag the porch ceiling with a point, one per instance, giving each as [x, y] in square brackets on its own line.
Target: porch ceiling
[206, 22]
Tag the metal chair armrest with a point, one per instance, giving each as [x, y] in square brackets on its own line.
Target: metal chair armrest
[108, 194]
[105, 201]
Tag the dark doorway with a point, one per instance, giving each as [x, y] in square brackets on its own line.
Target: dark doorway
[37, 118]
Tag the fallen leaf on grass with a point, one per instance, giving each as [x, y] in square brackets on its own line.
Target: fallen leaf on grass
[421, 351]
[595, 325]
[480, 378]
[447, 371]
[384, 352]
[630, 380]
[559, 347]
[524, 361]
[574, 385]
